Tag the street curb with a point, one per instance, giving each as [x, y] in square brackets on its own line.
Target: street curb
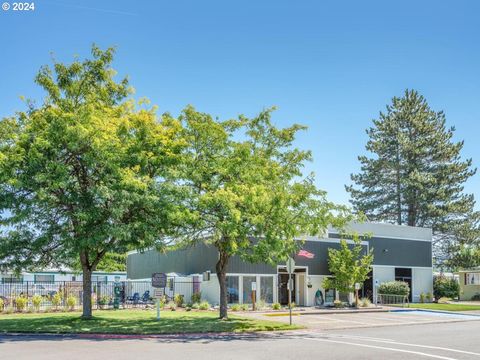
[200, 335]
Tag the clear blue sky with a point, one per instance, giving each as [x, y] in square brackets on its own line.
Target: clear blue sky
[332, 65]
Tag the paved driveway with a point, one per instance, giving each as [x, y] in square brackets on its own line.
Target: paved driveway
[321, 322]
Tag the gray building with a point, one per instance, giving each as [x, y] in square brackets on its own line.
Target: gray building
[400, 253]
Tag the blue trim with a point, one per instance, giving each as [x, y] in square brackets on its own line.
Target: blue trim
[457, 313]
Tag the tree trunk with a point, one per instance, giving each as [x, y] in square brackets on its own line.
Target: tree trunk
[221, 269]
[398, 187]
[87, 293]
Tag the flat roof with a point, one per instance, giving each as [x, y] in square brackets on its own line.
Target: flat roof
[386, 230]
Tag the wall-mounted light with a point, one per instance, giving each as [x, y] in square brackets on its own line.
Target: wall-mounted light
[385, 250]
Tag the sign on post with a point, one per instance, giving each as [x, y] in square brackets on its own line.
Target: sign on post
[158, 293]
[290, 269]
[159, 280]
[290, 265]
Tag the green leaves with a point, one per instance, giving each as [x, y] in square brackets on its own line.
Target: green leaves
[242, 178]
[415, 175]
[85, 173]
[349, 265]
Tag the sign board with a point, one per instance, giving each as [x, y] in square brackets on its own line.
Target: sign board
[358, 286]
[254, 286]
[290, 265]
[159, 280]
[158, 293]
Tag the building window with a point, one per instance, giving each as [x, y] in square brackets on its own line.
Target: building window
[99, 279]
[266, 289]
[12, 280]
[74, 278]
[247, 288]
[472, 278]
[44, 278]
[232, 289]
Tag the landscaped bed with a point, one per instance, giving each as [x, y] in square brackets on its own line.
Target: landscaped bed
[134, 322]
[445, 307]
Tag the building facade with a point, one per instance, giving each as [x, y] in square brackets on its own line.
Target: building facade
[52, 276]
[400, 253]
[469, 281]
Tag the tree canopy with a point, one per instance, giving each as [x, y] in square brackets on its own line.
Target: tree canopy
[349, 265]
[415, 175]
[246, 192]
[85, 173]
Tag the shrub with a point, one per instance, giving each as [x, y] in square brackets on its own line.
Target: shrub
[429, 297]
[71, 302]
[292, 305]
[475, 297]
[56, 300]
[172, 305]
[163, 301]
[244, 307]
[104, 300]
[9, 310]
[422, 297]
[196, 297]
[236, 307]
[196, 306]
[444, 300]
[36, 302]
[204, 305]
[276, 306]
[178, 299]
[445, 287]
[338, 304]
[394, 288]
[2, 304]
[365, 302]
[260, 305]
[21, 303]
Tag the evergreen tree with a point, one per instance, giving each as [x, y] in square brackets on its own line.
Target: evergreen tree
[416, 175]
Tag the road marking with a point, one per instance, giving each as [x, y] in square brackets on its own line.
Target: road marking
[394, 342]
[384, 348]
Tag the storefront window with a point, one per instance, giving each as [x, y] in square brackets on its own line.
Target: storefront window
[266, 289]
[232, 289]
[247, 289]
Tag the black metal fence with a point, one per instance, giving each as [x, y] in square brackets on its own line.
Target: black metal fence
[61, 295]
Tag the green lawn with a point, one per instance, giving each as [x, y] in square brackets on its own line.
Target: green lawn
[445, 307]
[134, 322]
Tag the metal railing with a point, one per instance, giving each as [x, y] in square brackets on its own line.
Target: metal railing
[392, 299]
[58, 295]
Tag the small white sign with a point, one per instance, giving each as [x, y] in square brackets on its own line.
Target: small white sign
[358, 286]
[158, 293]
[254, 286]
[290, 265]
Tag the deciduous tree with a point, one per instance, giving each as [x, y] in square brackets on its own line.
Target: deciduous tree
[85, 173]
[246, 192]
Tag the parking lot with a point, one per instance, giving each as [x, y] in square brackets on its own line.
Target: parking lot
[337, 321]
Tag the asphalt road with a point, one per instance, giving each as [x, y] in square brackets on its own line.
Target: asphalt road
[453, 340]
